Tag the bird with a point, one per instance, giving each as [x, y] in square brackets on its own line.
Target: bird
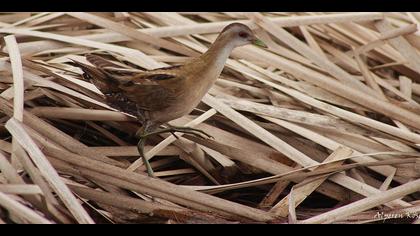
[158, 96]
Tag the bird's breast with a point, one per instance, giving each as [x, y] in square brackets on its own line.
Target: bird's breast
[192, 92]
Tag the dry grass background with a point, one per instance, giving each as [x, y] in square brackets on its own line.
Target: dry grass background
[321, 127]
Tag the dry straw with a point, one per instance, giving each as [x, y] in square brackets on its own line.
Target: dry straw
[320, 127]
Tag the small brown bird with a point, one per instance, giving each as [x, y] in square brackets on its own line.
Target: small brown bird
[158, 96]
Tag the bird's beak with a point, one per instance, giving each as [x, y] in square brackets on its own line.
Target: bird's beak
[259, 43]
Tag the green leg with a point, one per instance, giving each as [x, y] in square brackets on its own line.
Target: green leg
[189, 130]
[171, 129]
[140, 148]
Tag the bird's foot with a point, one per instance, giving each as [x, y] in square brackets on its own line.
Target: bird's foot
[172, 129]
[188, 130]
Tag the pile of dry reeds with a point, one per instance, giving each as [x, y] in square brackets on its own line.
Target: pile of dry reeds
[321, 127]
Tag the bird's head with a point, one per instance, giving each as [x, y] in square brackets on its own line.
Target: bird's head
[240, 35]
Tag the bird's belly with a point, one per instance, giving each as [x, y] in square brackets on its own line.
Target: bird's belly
[182, 105]
[177, 109]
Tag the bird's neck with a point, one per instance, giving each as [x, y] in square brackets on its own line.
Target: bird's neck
[216, 56]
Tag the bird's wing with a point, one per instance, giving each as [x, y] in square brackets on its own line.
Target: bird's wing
[148, 95]
[112, 70]
[150, 90]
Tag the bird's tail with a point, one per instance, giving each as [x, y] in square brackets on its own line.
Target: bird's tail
[95, 76]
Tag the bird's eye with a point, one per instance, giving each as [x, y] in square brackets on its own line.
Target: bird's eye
[243, 34]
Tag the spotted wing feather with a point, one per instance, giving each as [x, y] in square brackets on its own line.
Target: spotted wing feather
[128, 91]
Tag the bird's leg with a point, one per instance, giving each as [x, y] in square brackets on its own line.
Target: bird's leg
[143, 134]
[172, 129]
[189, 130]
[140, 148]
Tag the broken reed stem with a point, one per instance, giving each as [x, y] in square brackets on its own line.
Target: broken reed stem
[300, 193]
[144, 207]
[52, 133]
[48, 172]
[18, 89]
[159, 188]
[323, 98]
[23, 189]
[167, 141]
[18, 85]
[21, 210]
[132, 33]
[285, 148]
[344, 114]
[79, 114]
[365, 204]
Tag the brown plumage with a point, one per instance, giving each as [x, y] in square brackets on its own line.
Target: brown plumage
[158, 96]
